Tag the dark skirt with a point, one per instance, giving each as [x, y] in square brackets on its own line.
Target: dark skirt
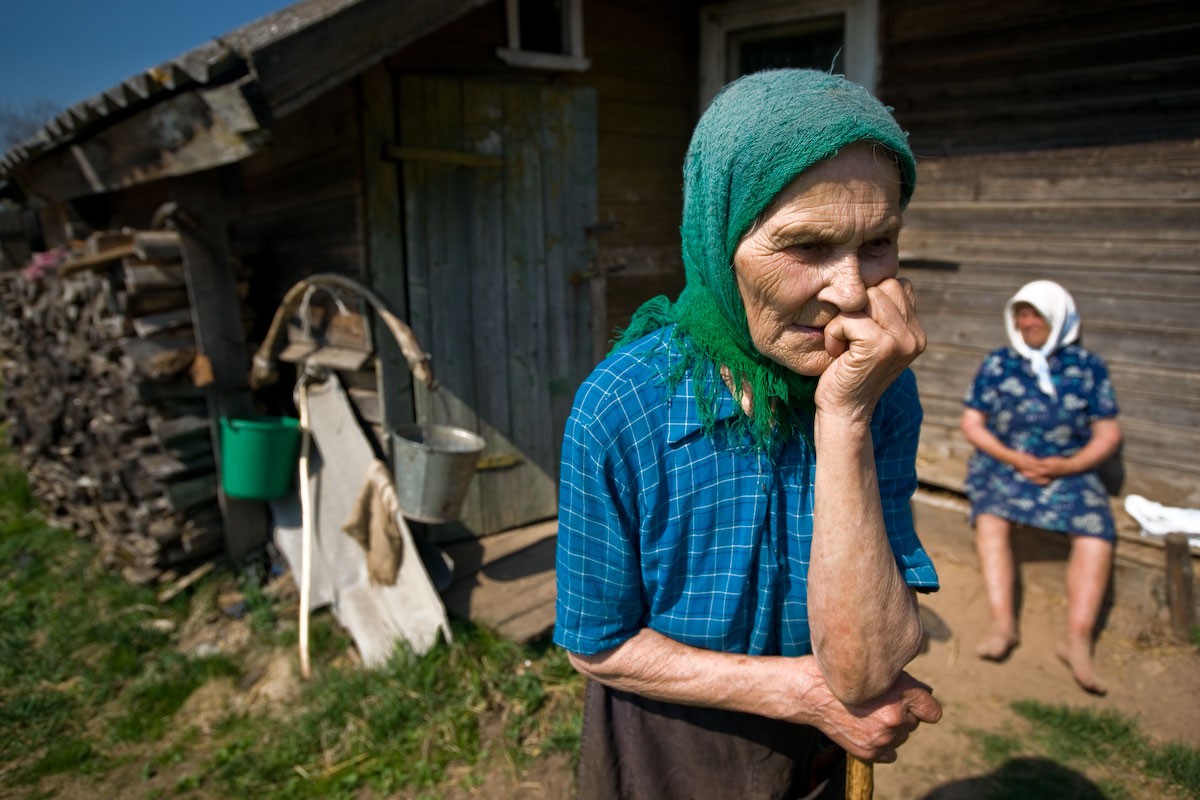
[634, 748]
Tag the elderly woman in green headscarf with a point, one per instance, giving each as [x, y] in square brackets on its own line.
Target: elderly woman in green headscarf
[736, 555]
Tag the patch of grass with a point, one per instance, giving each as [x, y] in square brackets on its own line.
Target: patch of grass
[187, 783]
[1177, 763]
[1070, 734]
[405, 725]
[15, 497]
[91, 680]
[175, 753]
[1071, 752]
[997, 748]
[260, 612]
[62, 755]
[149, 702]
[80, 667]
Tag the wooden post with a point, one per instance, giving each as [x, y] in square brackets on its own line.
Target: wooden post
[1179, 585]
[198, 215]
[860, 778]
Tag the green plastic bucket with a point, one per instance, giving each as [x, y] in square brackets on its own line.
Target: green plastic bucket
[258, 456]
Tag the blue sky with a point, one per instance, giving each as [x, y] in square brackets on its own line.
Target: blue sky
[66, 51]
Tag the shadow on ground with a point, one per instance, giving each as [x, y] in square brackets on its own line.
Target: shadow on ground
[1018, 779]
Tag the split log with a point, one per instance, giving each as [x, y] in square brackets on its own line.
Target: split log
[140, 277]
[160, 356]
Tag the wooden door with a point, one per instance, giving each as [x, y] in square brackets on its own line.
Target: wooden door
[499, 183]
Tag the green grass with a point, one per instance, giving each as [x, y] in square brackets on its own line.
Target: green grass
[1079, 753]
[91, 680]
[406, 725]
[76, 650]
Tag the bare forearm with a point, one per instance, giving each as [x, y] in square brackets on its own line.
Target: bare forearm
[652, 665]
[987, 442]
[1106, 438]
[862, 615]
[787, 688]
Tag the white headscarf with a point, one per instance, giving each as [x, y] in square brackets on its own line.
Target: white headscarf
[1057, 307]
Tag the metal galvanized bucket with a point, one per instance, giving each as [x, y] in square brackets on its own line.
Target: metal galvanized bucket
[434, 465]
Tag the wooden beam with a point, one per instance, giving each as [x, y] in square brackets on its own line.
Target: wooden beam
[199, 218]
[191, 132]
[441, 156]
[296, 69]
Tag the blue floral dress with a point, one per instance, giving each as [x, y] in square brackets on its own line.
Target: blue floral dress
[1026, 419]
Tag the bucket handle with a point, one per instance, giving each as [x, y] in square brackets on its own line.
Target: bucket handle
[263, 371]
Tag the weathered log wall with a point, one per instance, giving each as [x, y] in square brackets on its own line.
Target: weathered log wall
[1057, 142]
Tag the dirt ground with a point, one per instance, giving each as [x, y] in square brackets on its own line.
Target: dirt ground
[1149, 675]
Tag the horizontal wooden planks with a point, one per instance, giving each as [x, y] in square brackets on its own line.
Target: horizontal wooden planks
[910, 22]
[1158, 171]
[1148, 348]
[982, 226]
[1099, 303]
[1169, 221]
[982, 77]
[506, 581]
[300, 204]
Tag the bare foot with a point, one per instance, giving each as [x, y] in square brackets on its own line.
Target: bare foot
[998, 643]
[1078, 658]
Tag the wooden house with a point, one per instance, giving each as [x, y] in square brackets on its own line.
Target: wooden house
[506, 173]
[1057, 141]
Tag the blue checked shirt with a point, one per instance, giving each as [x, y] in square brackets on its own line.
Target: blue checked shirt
[661, 527]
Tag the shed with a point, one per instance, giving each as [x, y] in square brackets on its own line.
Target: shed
[507, 175]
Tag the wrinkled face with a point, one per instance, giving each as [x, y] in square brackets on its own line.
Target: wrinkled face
[1032, 326]
[828, 236]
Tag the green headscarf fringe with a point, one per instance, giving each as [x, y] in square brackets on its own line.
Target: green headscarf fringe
[703, 337]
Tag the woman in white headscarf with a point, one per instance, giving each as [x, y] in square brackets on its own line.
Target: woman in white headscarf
[1042, 416]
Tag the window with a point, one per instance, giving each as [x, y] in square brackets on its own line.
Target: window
[544, 34]
[738, 38]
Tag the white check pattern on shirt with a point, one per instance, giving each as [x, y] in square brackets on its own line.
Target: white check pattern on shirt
[705, 542]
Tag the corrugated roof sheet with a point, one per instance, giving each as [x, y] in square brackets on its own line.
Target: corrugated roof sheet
[218, 61]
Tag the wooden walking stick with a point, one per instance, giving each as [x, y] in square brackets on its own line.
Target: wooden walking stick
[860, 778]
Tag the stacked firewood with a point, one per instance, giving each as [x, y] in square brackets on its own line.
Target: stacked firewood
[104, 402]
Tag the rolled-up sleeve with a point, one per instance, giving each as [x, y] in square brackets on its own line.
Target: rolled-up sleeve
[895, 464]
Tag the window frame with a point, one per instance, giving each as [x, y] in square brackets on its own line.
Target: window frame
[719, 20]
[573, 60]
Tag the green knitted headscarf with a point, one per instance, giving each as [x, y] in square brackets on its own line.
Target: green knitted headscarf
[759, 133]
